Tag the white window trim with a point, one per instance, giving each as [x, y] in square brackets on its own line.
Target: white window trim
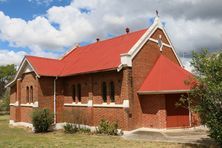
[113, 105]
[14, 104]
[79, 104]
[90, 104]
[35, 104]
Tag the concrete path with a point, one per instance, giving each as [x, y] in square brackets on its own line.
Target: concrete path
[197, 136]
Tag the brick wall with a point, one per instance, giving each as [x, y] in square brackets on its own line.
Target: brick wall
[46, 92]
[18, 93]
[156, 34]
[13, 94]
[13, 113]
[28, 80]
[112, 114]
[153, 111]
[91, 86]
[142, 64]
[25, 114]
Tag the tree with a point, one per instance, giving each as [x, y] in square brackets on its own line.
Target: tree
[6, 75]
[206, 96]
[4, 105]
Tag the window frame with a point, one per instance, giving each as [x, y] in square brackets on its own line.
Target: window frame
[112, 91]
[79, 92]
[27, 94]
[104, 91]
[31, 94]
[74, 93]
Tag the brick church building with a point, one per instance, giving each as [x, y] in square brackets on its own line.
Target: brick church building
[134, 79]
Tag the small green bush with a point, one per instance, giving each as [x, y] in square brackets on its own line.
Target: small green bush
[73, 128]
[84, 130]
[42, 119]
[105, 127]
[70, 128]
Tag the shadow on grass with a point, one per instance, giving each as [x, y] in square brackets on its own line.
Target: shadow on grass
[4, 113]
[203, 143]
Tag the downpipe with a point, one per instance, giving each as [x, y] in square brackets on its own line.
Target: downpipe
[54, 101]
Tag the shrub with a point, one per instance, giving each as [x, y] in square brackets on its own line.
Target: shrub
[42, 119]
[105, 127]
[70, 128]
[84, 130]
[73, 128]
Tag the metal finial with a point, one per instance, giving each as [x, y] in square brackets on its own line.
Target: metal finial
[157, 13]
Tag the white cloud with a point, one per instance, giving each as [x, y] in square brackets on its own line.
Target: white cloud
[194, 35]
[188, 30]
[186, 63]
[11, 57]
[115, 20]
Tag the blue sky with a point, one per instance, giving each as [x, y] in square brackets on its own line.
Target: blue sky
[26, 10]
[49, 28]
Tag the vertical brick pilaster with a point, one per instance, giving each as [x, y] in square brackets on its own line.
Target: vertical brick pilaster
[18, 88]
[90, 108]
[127, 93]
[162, 114]
[18, 98]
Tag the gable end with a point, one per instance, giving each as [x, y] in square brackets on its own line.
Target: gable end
[126, 58]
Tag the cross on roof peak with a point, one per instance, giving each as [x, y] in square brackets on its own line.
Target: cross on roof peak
[157, 13]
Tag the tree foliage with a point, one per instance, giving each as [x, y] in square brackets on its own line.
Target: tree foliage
[4, 104]
[206, 95]
[6, 75]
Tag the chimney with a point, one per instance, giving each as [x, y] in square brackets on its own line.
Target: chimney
[127, 30]
[97, 39]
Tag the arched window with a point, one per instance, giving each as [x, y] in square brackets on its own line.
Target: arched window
[104, 91]
[31, 94]
[73, 93]
[112, 91]
[27, 94]
[79, 92]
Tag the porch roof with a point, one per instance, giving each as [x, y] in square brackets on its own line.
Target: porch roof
[166, 77]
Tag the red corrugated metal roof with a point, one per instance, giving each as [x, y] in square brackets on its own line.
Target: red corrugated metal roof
[166, 76]
[45, 66]
[98, 56]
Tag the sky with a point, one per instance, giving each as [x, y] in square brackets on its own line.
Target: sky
[49, 28]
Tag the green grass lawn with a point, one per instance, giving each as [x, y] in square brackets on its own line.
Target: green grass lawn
[21, 137]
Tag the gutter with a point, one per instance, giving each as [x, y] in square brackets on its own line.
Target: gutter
[162, 92]
[54, 101]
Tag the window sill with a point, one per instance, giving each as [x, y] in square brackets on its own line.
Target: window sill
[14, 104]
[35, 104]
[89, 104]
[113, 105]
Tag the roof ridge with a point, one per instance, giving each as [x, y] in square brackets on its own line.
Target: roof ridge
[130, 33]
[108, 39]
[42, 57]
